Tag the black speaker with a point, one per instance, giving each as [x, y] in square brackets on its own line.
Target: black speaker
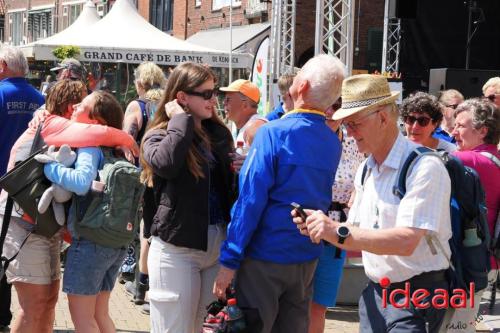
[406, 9]
[468, 82]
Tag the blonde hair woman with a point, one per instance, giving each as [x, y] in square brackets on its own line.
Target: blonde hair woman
[186, 154]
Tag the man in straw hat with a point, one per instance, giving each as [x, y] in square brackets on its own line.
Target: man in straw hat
[392, 233]
[290, 160]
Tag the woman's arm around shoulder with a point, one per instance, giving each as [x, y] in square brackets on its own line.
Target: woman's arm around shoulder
[59, 130]
[77, 179]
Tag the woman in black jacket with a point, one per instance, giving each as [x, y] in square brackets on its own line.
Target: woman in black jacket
[185, 153]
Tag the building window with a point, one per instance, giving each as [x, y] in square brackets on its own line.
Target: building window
[16, 28]
[162, 14]
[218, 4]
[71, 13]
[39, 25]
[197, 3]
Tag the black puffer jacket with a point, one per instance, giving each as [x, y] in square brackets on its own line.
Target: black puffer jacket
[183, 213]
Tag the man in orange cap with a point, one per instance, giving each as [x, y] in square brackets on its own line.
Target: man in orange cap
[240, 103]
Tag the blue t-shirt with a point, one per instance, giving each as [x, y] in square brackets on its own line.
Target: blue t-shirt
[18, 101]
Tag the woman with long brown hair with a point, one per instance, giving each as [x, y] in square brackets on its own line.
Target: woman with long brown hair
[186, 154]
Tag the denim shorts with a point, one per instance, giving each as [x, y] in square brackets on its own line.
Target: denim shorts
[91, 268]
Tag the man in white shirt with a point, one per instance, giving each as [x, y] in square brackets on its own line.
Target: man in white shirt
[398, 238]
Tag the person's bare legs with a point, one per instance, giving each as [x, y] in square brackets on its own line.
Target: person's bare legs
[82, 309]
[101, 314]
[317, 313]
[143, 257]
[50, 309]
[33, 303]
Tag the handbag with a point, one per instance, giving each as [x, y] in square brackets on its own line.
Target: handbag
[25, 184]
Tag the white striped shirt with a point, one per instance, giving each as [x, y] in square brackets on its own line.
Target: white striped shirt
[424, 206]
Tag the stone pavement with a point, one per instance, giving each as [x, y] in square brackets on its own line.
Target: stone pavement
[128, 317]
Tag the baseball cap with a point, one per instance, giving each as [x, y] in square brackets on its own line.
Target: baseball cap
[75, 67]
[244, 87]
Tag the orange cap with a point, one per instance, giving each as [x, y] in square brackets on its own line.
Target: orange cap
[245, 87]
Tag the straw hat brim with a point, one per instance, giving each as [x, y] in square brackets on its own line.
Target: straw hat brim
[344, 113]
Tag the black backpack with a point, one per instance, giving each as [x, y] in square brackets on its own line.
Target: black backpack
[470, 239]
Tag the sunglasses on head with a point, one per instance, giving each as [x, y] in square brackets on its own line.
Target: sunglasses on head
[206, 94]
[422, 121]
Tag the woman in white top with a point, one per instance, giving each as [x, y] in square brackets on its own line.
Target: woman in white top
[421, 114]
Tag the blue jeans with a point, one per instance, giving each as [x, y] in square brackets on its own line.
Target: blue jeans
[91, 268]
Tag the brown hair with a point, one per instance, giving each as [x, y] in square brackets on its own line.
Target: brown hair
[63, 94]
[185, 77]
[106, 110]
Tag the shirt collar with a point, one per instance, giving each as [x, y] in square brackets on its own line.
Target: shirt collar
[304, 112]
[393, 159]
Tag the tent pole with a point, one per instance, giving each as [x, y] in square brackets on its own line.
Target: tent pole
[230, 41]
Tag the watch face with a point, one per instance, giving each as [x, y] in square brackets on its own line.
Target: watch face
[343, 231]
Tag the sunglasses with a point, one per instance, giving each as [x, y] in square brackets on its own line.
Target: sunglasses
[453, 106]
[422, 121]
[206, 94]
[491, 97]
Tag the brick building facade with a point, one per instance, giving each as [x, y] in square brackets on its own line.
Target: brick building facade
[30, 20]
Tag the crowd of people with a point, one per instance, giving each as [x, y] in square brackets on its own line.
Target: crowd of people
[219, 213]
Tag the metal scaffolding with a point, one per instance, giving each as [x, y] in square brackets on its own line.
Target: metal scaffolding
[283, 36]
[335, 29]
[391, 42]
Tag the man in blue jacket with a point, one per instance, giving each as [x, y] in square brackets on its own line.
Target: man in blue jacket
[18, 101]
[291, 160]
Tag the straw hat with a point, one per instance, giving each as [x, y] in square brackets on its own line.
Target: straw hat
[362, 93]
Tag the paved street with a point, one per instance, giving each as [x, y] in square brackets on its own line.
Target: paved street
[128, 317]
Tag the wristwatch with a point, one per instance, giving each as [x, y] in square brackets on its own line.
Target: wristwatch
[343, 232]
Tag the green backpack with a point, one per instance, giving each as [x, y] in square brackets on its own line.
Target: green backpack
[110, 218]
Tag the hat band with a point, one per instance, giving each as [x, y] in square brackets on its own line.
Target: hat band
[366, 102]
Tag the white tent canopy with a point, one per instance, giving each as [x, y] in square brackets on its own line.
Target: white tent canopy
[123, 35]
[75, 31]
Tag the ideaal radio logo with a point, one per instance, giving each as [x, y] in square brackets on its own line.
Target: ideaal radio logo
[419, 298]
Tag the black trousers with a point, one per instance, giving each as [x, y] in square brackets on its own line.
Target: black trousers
[5, 297]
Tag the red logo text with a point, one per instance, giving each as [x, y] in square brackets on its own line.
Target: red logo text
[442, 299]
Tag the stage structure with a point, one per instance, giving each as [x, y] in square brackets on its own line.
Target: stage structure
[335, 30]
[392, 38]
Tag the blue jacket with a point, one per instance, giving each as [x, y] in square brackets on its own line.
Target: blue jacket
[277, 113]
[291, 160]
[18, 101]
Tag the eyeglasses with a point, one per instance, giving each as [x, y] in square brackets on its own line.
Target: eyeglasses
[453, 106]
[491, 97]
[355, 125]
[206, 94]
[422, 121]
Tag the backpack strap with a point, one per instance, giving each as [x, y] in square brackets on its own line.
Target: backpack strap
[492, 157]
[399, 189]
[142, 131]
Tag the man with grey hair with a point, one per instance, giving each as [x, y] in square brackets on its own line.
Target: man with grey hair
[291, 160]
[398, 234]
[18, 101]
